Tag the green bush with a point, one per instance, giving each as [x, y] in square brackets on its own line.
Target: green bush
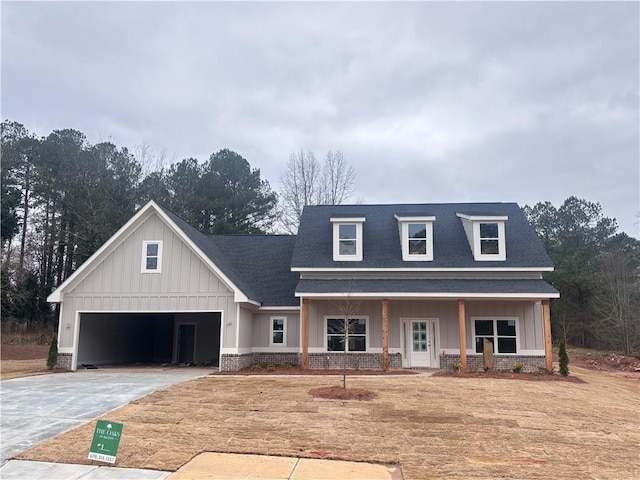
[517, 367]
[52, 359]
[564, 360]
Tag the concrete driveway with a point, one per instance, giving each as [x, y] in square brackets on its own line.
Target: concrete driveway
[33, 409]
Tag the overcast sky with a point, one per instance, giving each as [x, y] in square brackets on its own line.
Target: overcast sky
[430, 102]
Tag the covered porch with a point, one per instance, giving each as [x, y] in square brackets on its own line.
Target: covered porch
[429, 325]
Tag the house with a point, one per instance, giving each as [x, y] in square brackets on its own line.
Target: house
[422, 286]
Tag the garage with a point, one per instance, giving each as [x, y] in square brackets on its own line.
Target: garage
[117, 338]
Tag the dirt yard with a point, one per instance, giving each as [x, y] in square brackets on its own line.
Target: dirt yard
[433, 427]
[22, 360]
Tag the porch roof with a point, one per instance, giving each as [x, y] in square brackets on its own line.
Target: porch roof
[431, 288]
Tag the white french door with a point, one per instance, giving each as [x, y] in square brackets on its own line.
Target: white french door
[420, 345]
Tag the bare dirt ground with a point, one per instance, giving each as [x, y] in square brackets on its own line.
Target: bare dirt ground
[433, 427]
[23, 360]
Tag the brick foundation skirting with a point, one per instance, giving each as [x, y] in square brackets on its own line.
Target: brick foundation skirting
[64, 360]
[500, 362]
[232, 362]
[331, 360]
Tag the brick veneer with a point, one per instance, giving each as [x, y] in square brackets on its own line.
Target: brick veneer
[234, 362]
[500, 362]
[64, 360]
[357, 361]
[276, 358]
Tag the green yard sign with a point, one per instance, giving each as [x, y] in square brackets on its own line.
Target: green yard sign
[105, 442]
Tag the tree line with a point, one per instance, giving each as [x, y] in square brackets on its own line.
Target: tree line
[62, 198]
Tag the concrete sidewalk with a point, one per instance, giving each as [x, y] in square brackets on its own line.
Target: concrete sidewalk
[210, 466]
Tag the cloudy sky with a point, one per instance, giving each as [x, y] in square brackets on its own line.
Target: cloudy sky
[430, 102]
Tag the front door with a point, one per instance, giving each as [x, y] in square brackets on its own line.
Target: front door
[420, 343]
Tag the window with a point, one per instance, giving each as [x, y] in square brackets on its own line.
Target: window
[502, 333]
[489, 239]
[355, 337]
[486, 236]
[278, 331]
[416, 236]
[347, 239]
[151, 256]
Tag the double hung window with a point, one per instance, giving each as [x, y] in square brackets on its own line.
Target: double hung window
[151, 256]
[278, 331]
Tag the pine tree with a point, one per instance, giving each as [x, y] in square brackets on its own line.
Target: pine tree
[564, 360]
[52, 360]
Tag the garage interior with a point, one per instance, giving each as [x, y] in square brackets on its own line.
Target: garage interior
[149, 338]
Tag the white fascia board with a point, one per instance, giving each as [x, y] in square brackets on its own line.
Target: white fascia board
[483, 218]
[437, 270]
[90, 263]
[531, 296]
[417, 218]
[347, 219]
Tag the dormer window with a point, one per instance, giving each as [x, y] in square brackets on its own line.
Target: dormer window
[416, 237]
[347, 239]
[486, 236]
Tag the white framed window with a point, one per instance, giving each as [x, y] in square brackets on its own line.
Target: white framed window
[347, 239]
[356, 336]
[486, 236]
[501, 332]
[151, 256]
[278, 332]
[416, 235]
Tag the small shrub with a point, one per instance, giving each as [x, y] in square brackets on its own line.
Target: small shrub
[563, 359]
[52, 359]
[456, 367]
[517, 367]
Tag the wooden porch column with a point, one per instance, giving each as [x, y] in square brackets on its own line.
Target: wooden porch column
[463, 335]
[546, 321]
[305, 333]
[385, 334]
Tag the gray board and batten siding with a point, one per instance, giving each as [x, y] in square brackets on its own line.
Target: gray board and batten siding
[116, 284]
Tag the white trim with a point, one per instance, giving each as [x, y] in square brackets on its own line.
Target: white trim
[145, 256]
[121, 235]
[284, 331]
[175, 339]
[65, 350]
[435, 348]
[522, 296]
[277, 309]
[423, 269]
[495, 319]
[404, 239]
[337, 257]
[531, 353]
[379, 350]
[501, 256]
[277, 349]
[483, 218]
[416, 219]
[237, 325]
[353, 317]
[347, 219]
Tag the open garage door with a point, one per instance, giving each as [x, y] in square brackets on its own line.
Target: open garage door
[149, 338]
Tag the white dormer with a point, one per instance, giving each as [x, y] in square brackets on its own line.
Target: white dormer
[347, 239]
[486, 236]
[416, 237]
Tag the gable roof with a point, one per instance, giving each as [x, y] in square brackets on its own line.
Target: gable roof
[381, 238]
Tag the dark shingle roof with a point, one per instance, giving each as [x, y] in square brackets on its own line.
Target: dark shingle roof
[382, 249]
[443, 286]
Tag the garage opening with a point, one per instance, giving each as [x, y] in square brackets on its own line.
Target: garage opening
[149, 338]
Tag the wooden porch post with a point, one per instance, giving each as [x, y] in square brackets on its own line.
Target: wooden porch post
[385, 334]
[463, 335]
[305, 333]
[546, 320]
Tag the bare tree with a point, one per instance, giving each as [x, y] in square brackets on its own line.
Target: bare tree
[619, 302]
[347, 307]
[307, 182]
